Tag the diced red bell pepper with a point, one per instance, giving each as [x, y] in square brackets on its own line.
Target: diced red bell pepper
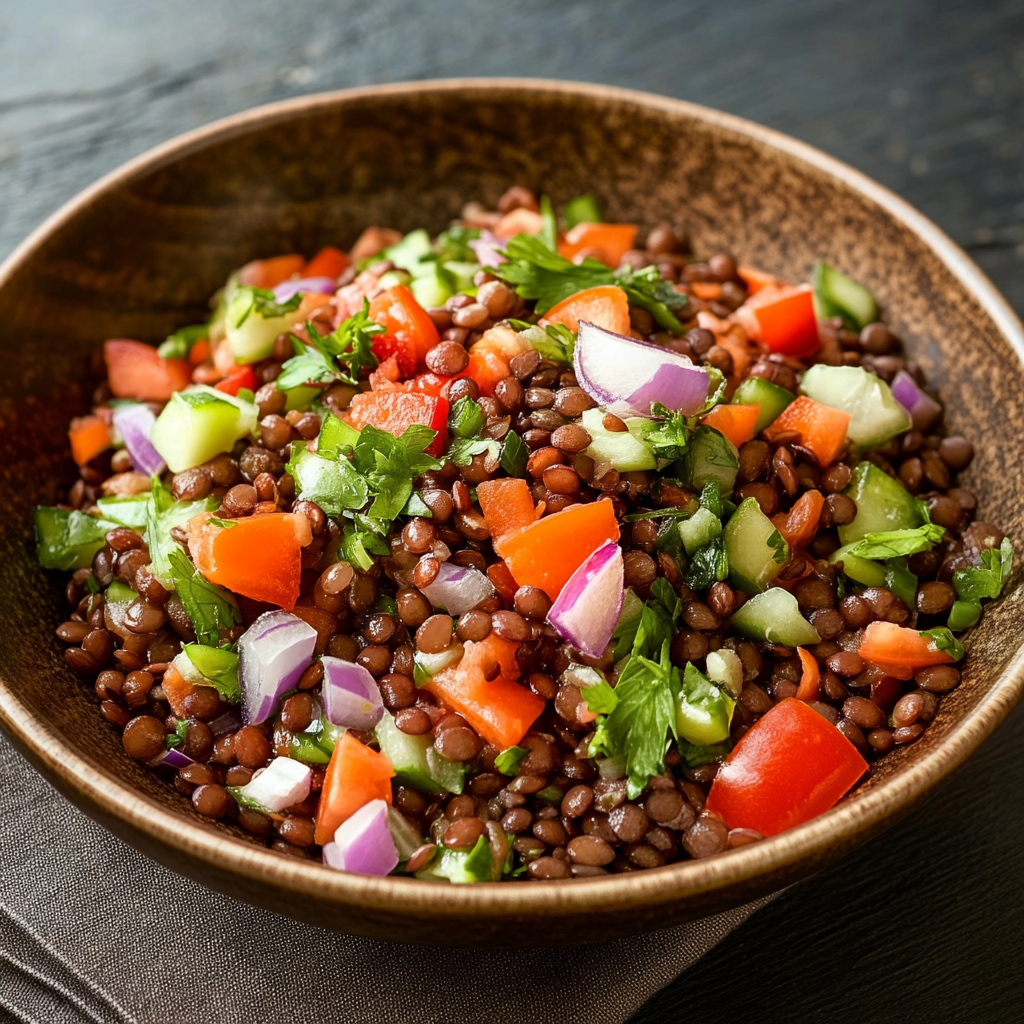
[271, 272]
[605, 306]
[790, 767]
[799, 525]
[482, 688]
[608, 242]
[410, 333]
[328, 262]
[355, 776]
[899, 650]
[788, 324]
[507, 505]
[822, 430]
[736, 422]
[138, 371]
[89, 435]
[810, 678]
[244, 378]
[394, 410]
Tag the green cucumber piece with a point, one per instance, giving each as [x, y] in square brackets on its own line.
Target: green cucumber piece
[433, 286]
[306, 747]
[463, 867]
[964, 615]
[427, 665]
[710, 457]
[860, 570]
[883, 504]
[69, 540]
[251, 335]
[771, 398]
[755, 549]
[218, 667]
[582, 210]
[300, 397]
[119, 592]
[901, 581]
[699, 530]
[835, 294]
[875, 415]
[129, 511]
[393, 278]
[199, 423]
[407, 837]
[703, 711]
[463, 273]
[409, 251]
[775, 618]
[620, 448]
[416, 761]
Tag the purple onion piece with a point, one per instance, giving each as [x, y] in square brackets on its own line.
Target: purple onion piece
[588, 607]
[487, 248]
[351, 696]
[272, 653]
[626, 376]
[172, 758]
[223, 724]
[319, 285]
[923, 409]
[363, 844]
[282, 784]
[458, 589]
[135, 423]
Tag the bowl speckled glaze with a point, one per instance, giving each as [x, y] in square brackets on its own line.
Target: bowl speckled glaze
[137, 255]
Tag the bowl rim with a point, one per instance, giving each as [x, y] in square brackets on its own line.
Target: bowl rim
[112, 799]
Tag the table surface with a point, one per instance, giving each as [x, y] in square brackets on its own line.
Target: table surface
[924, 923]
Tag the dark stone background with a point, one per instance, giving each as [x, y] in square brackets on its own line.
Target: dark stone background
[926, 923]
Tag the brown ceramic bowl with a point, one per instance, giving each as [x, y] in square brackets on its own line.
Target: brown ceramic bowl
[137, 255]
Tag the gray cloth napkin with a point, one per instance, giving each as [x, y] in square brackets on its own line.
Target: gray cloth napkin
[92, 932]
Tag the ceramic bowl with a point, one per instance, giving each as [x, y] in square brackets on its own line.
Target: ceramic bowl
[137, 255]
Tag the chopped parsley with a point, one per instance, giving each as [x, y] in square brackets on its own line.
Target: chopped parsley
[945, 641]
[897, 543]
[179, 344]
[466, 418]
[336, 356]
[210, 608]
[710, 564]
[509, 760]
[514, 454]
[988, 580]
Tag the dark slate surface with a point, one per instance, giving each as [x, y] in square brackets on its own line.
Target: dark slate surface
[926, 923]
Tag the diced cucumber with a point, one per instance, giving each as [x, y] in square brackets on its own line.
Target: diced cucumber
[304, 747]
[620, 448]
[433, 285]
[300, 397]
[217, 667]
[251, 335]
[427, 665]
[883, 504]
[69, 540]
[837, 295]
[725, 669]
[771, 398]
[120, 592]
[774, 617]
[875, 415]
[755, 549]
[860, 570]
[700, 529]
[416, 761]
[463, 274]
[408, 839]
[129, 511]
[393, 278]
[199, 423]
[464, 867]
[582, 209]
[710, 456]
[333, 484]
[409, 251]
[901, 581]
[703, 711]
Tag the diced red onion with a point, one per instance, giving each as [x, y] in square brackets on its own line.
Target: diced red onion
[363, 844]
[272, 653]
[172, 758]
[135, 423]
[458, 589]
[351, 696]
[223, 724]
[282, 784]
[624, 376]
[319, 285]
[588, 606]
[487, 248]
[923, 409]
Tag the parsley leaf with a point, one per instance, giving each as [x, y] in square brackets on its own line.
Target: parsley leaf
[669, 437]
[210, 608]
[384, 461]
[945, 641]
[896, 543]
[336, 356]
[452, 246]
[554, 342]
[779, 546]
[176, 738]
[989, 579]
[163, 515]
[716, 390]
[360, 541]
[466, 418]
[181, 342]
[540, 274]
[329, 480]
[711, 499]
[514, 454]
[462, 449]
[710, 564]
[695, 756]
[629, 622]
[509, 760]
[601, 698]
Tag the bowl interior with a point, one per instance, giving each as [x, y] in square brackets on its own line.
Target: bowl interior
[140, 255]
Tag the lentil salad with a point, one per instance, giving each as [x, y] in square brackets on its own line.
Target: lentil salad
[518, 552]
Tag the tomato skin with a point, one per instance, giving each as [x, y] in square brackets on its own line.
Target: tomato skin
[605, 306]
[822, 430]
[790, 767]
[244, 378]
[135, 370]
[610, 241]
[271, 272]
[409, 332]
[899, 650]
[736, 422]
[799, 525]
[355, 775]
[394, 409]
[788, 324]
[328, 262]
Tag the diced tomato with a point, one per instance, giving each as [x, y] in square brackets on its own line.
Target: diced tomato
[200, 352]
[709, 291]
[410, 333]
[546, 553]
[810, 679]
[799, 525]
[495, 705]
[604, 306]
[328, 262]
[89, 435]
[486, 367]
[244, 378]
[790, 767]
[138, 371]
[385, 374]
[736, 422]
[271, 272]
[756, 280]
[395, 410]
[176, 688]
[899, 650]
[502, 581]
[822, 430]
[355, 776]
[610, 242]
[258, 556]
[519, 221]
[325, 623]
[788, 324]
[507, 505]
